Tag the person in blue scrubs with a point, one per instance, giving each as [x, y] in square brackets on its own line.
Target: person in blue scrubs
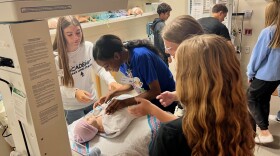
[143, 69]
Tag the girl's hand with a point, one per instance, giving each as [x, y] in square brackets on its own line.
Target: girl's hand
[83, 96]
[104, 99]
[166, 98]
[119, 104]
[99, 102]
[169, 59]
[143, 107]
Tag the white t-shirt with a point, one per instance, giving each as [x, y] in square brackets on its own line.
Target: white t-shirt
[81, 63]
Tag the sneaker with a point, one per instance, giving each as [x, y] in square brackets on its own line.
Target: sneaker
[274, 118]
[278, 117]
[263, 139]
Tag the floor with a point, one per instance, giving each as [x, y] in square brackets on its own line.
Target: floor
[271, 149]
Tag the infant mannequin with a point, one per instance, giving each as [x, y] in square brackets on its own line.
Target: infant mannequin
[87, 128]
[135, 11]
[109, 126]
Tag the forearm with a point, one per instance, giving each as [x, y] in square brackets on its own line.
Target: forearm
[175, 97]
[123, 89]
[149, 95]
[163, 116]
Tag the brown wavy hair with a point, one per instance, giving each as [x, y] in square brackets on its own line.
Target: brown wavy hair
[209, 85]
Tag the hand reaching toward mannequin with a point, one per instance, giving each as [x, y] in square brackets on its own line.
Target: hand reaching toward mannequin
[117, 104]
[83, 96]
[99, 102]
[142, 108]
[145, 107]
[104, 99]
[166, 98]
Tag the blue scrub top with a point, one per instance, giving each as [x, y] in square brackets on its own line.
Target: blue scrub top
[148, 67]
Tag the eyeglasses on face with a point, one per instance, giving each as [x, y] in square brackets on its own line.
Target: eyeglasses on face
[167, 49]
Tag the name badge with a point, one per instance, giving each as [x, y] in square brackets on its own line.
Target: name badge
[126, 80]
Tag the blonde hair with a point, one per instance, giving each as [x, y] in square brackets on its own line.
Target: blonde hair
[181, 28]
[209, 85]
[60, 45]
[272, 17]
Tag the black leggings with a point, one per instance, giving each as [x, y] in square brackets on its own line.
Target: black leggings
[259, 94]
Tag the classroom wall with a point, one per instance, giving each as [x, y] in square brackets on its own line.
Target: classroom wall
[179, 7]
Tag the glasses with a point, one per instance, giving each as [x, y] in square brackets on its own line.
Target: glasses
[167, 49]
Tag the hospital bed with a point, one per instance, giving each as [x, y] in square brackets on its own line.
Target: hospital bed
[135, 140]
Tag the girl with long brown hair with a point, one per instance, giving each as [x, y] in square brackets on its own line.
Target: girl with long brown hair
[209, 86]
[74, 61]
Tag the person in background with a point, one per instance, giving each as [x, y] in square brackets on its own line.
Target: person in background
[163, 11]
[74, 62]
[214, 25]
[173, 34]
[209, 86]
[263, 71]
[143, 69]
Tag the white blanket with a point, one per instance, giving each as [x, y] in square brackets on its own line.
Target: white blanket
[135, 140]
[116, 123]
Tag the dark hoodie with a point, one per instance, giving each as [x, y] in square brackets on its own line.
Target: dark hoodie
[157, 27]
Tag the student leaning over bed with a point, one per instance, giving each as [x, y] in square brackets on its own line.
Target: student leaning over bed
[143, 69]
[263, 71]
[209, 86]
[74, 61]
[174, 33]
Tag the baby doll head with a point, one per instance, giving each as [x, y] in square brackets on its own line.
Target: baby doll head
[84, 131]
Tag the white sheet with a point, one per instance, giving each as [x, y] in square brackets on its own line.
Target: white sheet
[135, 140]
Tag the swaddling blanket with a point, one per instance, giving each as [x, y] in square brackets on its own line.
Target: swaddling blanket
[116, 123]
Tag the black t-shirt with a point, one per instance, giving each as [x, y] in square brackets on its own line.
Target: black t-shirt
[170, 140]
[212, 25]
